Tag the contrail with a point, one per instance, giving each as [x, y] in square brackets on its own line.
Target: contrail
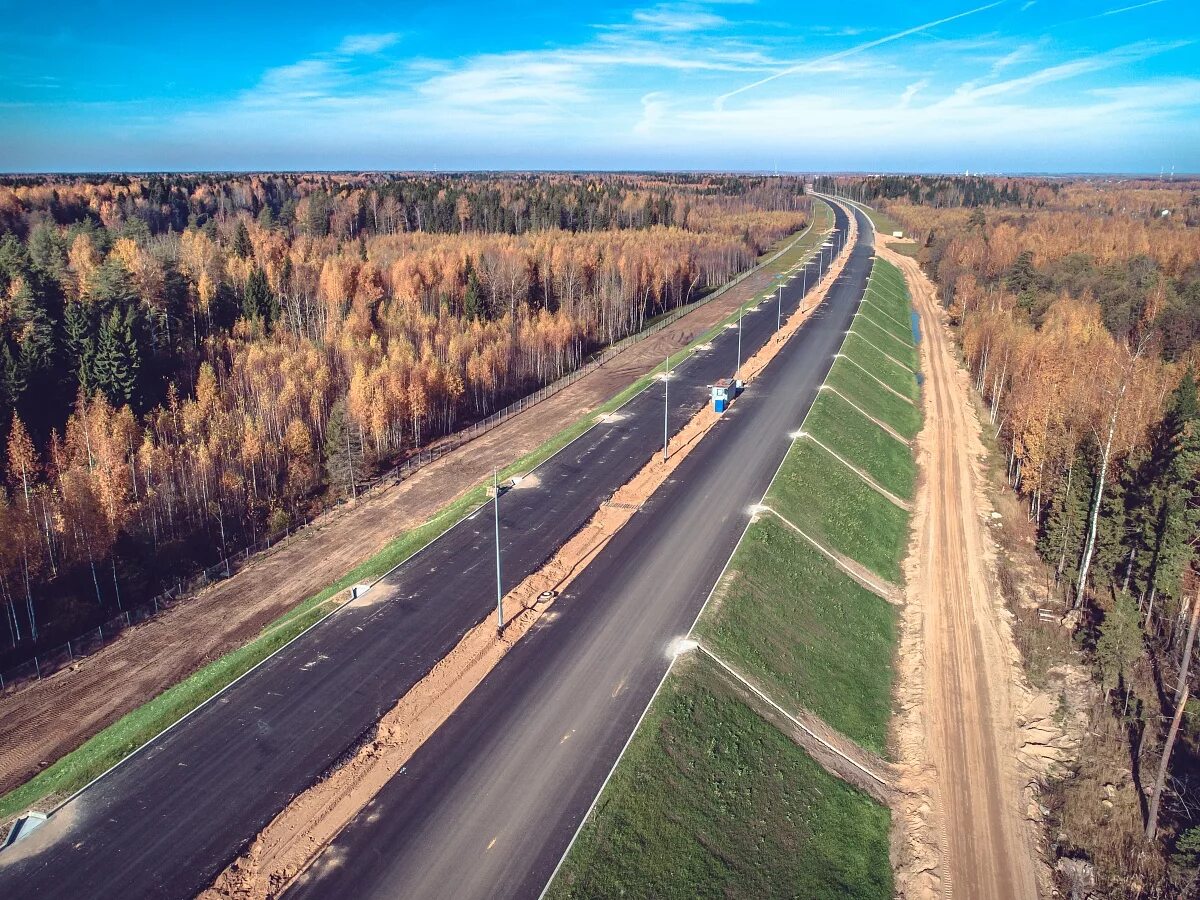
[720, 102]
[1125, 9]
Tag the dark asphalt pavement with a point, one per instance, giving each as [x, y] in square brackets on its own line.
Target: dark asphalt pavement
[170, 818]
[487, 806]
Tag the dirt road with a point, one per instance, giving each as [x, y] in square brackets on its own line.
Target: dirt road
[41, 723]
[958, 735]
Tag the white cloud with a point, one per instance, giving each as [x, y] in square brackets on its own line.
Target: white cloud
[355, 44]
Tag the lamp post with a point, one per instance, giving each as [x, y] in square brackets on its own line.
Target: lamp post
[741, 312]
[499, 589]
[666, 404]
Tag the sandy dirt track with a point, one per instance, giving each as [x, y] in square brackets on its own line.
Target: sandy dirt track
[963, 832]
[43, 722]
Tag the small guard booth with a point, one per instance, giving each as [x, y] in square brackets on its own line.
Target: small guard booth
[723, 393]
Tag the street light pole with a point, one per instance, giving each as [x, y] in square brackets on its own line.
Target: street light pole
[741, 312]
[499, 589]
[666, 404]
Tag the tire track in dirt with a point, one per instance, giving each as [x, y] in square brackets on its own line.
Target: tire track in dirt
[963, 830]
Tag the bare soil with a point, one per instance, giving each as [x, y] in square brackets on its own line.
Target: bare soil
[49, 718]
[967, 719]
[286, 847]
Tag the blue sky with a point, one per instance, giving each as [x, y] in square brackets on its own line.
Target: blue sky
[1110, 85]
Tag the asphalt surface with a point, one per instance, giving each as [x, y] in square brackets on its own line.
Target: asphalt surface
[488, 805]
[170, 818]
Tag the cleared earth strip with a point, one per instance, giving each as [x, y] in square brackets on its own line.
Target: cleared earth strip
[311, 821]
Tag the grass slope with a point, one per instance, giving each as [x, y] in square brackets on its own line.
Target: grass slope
[886, 341]
[811, 637]
[868, 394]
[711, 801]
[850, 434]
[877, 362]
[898, 327]
[836, 507]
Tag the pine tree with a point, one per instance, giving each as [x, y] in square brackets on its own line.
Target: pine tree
[1167, 503]
[1119, 644]
[344, 462]
[118, 358]
[475, 304]
[258, 301]
[81, 345]
[241, 241]
[1061, 538]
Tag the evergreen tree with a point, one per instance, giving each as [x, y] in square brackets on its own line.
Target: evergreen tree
[118, 358]
[258, 301]
[1169, 501]
[344, 462]
[1119, 644]
[1064, 524]
[241, 241]
[475, 304]
[81, 344]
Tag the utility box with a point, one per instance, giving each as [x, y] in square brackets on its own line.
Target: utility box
[723, 393]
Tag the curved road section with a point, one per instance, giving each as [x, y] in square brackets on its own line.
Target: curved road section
[523, 758]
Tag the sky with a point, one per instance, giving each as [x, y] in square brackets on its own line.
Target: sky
[1011, 86]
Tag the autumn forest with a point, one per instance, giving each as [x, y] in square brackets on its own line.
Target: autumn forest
[1077, 309]
[189, 362]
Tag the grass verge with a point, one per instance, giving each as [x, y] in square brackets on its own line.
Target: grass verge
[835, 506]
[865, 392]
[712, 801]
[812, 637]
[886, 341]
[876, 361]
[850, 434]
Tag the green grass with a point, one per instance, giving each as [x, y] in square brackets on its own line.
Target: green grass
[122, 737]
[869, 395]
[883, 222]
[711, 801]
[899, 327]
[792, 621]
[884, 340]
[875, 361]
[895, 305]
[905, 248]
[850, 434]
[834, 506]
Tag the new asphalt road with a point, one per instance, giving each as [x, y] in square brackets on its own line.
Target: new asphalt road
[488, 805]
[171, 817]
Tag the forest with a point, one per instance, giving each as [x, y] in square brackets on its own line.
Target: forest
[1077, 307]
[188, 362]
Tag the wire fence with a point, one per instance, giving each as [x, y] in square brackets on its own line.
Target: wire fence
[47, 662]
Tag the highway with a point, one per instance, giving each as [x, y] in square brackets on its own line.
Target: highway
[170, 818]
[488, 805]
